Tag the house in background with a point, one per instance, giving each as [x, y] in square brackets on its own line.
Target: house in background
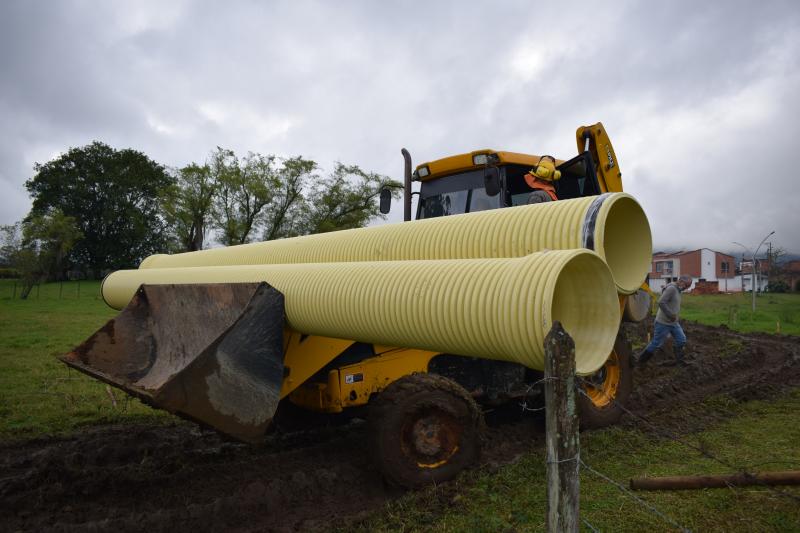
[710, 271]
[792, 274]
[762, 273]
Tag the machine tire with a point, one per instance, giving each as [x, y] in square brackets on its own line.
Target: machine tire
[602, 394]
[424, 428]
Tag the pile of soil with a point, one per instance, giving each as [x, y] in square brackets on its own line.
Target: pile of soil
[180, 477]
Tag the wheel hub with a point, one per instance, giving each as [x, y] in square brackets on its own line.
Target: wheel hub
[427, 437]
[431, 439]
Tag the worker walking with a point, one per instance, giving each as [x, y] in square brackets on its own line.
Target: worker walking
[669, 307]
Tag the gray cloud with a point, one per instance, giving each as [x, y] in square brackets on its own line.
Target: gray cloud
[699, 99]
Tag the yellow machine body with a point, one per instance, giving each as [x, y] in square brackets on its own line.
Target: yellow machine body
[392, 364]
[311, 378]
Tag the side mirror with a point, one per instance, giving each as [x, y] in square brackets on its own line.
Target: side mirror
[386, 200]
[491, 180]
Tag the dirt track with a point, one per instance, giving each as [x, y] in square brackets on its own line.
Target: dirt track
[130, 478]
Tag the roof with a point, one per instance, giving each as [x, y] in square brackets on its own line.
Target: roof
[684, 252]
[464, 162]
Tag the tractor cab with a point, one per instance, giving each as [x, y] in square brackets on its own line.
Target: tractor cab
[490, 179]
[449, 187]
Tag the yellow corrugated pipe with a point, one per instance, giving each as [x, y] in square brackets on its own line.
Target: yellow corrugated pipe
[491, 308]
[612, 224]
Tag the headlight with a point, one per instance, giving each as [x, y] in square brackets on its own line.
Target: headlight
[423, 172]
[485, 159]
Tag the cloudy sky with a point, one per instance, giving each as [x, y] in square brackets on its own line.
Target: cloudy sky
[701, 99]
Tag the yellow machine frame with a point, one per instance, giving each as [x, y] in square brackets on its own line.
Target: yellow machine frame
[353, 385]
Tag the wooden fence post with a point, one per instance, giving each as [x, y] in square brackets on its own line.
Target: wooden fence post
[563, 444]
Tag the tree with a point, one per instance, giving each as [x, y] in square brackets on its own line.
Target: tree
[53, 236]
[113, 195]
[37, 247]
[244, 189]
[188, 204]
[258, 194]
[21, 258]
[286, 211]
[346, 199]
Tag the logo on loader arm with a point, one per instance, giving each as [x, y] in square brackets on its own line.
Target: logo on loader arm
[610, 157]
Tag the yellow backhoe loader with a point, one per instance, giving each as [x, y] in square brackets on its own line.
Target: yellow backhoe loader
[212, 336]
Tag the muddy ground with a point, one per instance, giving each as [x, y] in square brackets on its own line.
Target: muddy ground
[179, 477]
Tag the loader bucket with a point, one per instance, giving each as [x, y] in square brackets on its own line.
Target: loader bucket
[211, 353]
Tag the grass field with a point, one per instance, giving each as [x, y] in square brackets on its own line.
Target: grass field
[775, 313]
[39, 394]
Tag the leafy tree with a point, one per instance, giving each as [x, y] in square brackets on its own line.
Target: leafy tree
[37, 248]
[287, 199]
[10, 237]
[245, 188]
[346, 199]
[777, 286]
[188, 204]
[113, 195]
[285, 213]
[53, 235]
[24, 259]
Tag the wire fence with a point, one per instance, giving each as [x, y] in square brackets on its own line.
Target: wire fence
[643, 422]
[60, 290]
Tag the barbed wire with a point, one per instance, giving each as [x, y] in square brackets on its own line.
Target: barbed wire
[524, 403]
[589, 525]
[625, 490]
[679, 440]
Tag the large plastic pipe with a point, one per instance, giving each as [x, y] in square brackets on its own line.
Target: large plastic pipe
[491, 308]
[613, 224]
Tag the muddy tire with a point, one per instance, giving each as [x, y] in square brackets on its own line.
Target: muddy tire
[606, 390]
[424, 428]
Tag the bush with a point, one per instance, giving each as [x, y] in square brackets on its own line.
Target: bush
[777, 286]
[8, 273]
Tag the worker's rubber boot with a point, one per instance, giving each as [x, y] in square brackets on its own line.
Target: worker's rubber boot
[643, 357]
[680, 360]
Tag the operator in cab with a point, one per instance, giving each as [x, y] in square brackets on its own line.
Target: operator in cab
[541, 178]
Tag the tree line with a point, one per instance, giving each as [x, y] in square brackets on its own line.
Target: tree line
[97, 209]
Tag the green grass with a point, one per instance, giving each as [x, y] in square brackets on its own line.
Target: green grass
[761, 435]
[773, 311]
[38, 394]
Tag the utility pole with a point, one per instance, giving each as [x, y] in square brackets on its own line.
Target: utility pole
[753, 274]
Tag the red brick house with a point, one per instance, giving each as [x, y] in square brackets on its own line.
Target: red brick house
[791, 272]
[703, 265]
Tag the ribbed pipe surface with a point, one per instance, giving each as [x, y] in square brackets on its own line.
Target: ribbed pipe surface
[491, 308]
[614, 225]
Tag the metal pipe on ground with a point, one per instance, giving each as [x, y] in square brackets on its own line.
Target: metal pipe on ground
[491, 308]
[715, 481]
[613, 224]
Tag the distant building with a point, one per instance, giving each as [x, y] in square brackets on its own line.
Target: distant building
[706, 267]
